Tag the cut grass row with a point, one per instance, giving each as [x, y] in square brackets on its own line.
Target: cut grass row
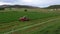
[37, 22]
[41, 29]
[54, 28]
[16, 25]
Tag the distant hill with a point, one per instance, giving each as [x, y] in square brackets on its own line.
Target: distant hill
[17, 6]
[53, 7]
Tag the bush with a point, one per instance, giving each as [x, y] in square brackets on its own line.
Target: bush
[2, 8]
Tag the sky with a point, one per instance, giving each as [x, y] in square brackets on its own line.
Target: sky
[38, 3]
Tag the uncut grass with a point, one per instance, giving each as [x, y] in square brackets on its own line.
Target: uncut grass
[6, 17]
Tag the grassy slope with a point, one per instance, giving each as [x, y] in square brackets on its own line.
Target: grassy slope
[47, 28]
[9, 20]
[54, 28]
[6, 17]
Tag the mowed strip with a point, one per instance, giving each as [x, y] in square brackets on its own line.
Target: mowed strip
[31, 26]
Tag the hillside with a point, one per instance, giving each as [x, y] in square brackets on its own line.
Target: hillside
[17, 6]
[53, 7]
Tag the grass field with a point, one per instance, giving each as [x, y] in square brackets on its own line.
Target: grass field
[41, 22]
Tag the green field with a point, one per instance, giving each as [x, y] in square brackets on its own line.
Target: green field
[41, 22]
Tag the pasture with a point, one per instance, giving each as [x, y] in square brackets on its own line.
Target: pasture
[42, 21]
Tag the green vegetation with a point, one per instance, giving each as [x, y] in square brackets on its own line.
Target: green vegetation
[6, 17]
[53, 7]
[9, 21]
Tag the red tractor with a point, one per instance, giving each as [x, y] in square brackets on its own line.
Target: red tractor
[24, 18]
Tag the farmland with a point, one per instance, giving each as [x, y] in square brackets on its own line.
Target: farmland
[42, 21]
